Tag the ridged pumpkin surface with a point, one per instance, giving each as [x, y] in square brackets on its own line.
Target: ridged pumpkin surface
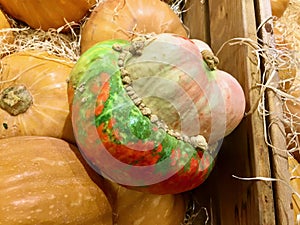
[47, 14]
[43, 78]
[119, 19]
[44, 181]
[108, 125]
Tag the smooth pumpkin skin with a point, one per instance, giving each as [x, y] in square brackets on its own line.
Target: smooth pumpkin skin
[44, 180]
[118, 19]
[234, 96]
[47, 14]
[102, 113]
[5, 36]
[135, 207]
[3, 21]
[278, 7]
[45, 77]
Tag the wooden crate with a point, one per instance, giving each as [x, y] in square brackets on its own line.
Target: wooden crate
[224, 199]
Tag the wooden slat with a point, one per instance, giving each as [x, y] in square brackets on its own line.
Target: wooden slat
[197, 19]
[279, 157]
[246, 151]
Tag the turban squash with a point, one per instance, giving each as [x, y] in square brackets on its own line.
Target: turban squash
[150, 114]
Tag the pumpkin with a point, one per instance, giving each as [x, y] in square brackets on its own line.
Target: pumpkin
[118, 19]
[134, 207]
[3, 21]
[6, 35]
[33, 95]
[47, 14]
[43, 180]
[149, 114]
[278, 7]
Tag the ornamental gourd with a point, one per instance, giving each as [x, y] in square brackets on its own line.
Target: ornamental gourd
[150, 114]
[47, 14]
[118, 19]
[44, 180]
[33, 95]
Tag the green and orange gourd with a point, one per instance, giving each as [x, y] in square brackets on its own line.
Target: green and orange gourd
[120, 125]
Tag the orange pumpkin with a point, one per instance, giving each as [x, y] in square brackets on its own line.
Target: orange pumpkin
[43, 180]
[119, 19]
[3, 21]
[286, 70]
[293, 107]
[33, 95]
[6, 35]
[278, 7]
[47, 14]
[134, 207]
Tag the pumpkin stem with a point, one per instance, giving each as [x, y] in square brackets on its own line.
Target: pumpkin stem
[211, 60]
[15, 99]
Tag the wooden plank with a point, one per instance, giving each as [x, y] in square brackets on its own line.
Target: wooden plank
[279, 157]
[244, 152]
[197, 19]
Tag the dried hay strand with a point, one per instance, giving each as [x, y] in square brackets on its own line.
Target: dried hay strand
[63, 41]
[289, 27]
[178, 6]
[195, 212]
[53, 41]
